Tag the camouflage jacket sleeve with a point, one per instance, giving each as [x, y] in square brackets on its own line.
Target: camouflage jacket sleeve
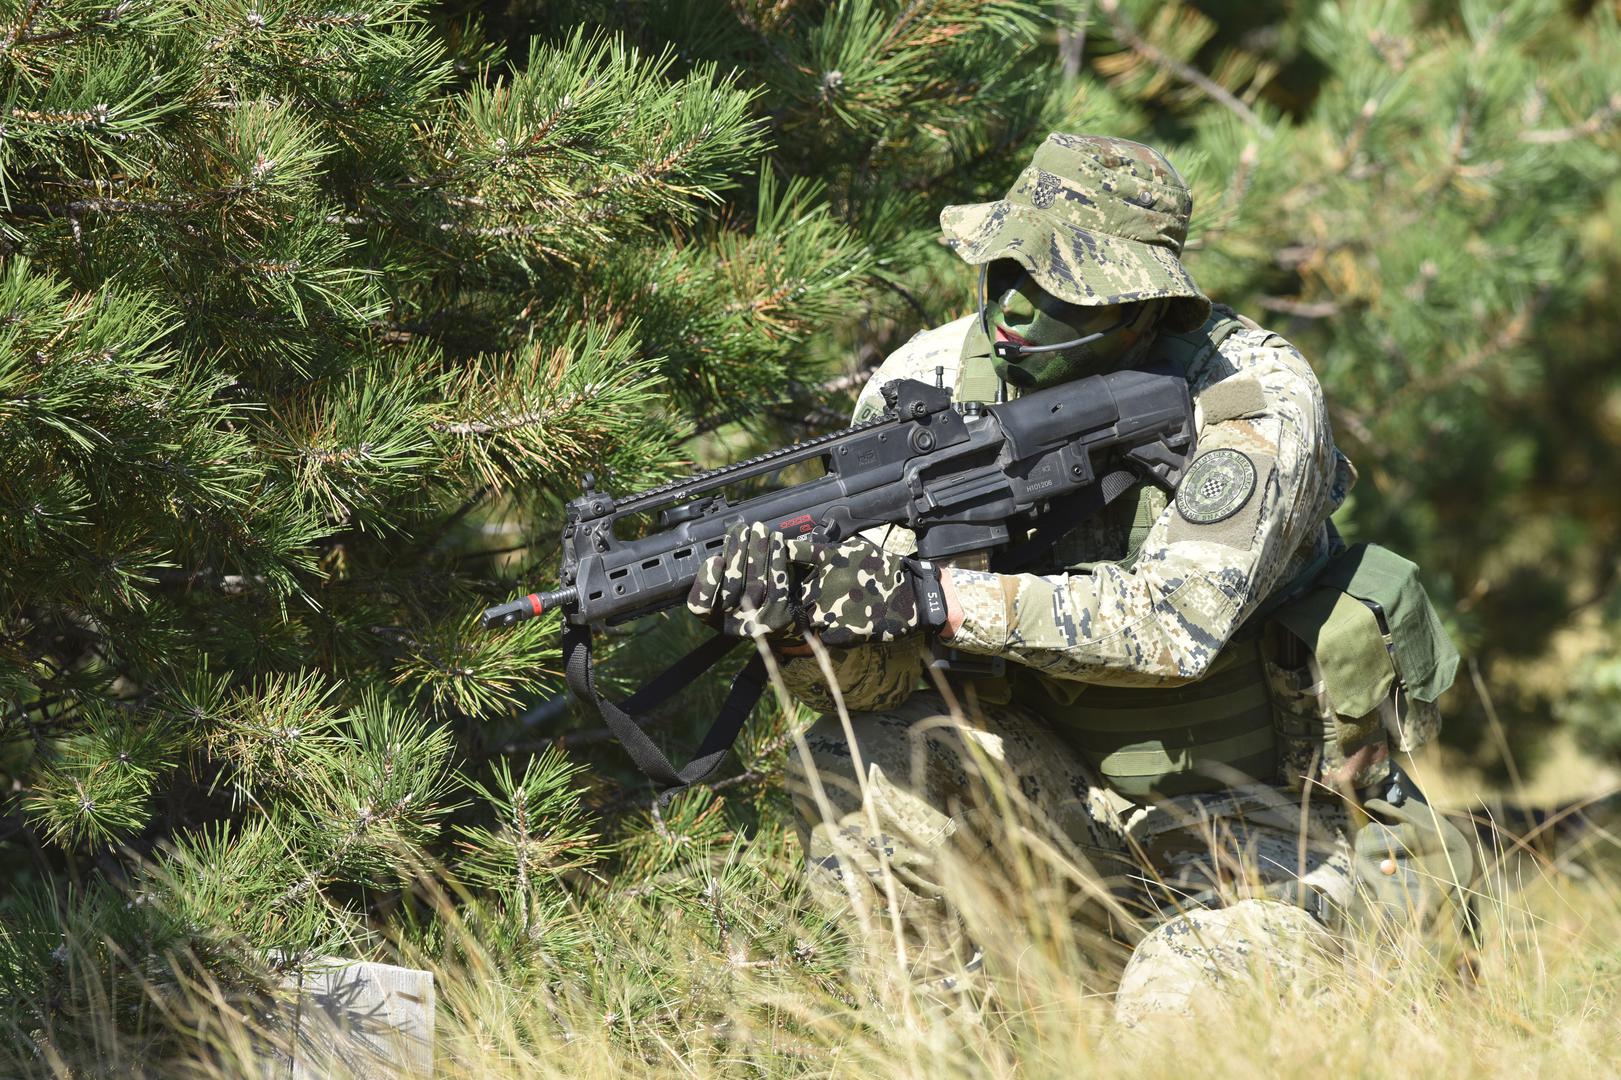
[1250, 511]
[882, 676]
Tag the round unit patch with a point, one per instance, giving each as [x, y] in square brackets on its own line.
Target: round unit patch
[1216, 487]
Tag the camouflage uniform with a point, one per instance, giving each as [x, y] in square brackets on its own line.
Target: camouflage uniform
[1205, 856]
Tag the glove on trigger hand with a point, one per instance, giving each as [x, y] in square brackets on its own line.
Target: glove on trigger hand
[745, 588]
[855, 592]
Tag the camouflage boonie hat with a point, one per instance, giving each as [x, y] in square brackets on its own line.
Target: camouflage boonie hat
[1096, 221]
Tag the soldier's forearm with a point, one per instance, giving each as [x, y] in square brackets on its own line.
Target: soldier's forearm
[1110, 626]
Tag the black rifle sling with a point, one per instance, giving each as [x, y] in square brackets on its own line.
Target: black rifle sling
[747, 687]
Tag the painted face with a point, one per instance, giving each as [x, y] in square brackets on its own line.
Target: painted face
[1025, 322]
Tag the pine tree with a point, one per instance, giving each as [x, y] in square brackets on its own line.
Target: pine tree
[296, 300]
[312, 318]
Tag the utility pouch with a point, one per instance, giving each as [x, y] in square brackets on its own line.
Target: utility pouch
[1355, 666]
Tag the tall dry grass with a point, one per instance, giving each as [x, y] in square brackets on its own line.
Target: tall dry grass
[720, 965]
[1542, 1000]
[1537, 996]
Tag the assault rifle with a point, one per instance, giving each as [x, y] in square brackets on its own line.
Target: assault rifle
[971, 480]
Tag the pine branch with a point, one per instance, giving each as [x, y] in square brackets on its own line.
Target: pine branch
[513, 422]
[1602, 119]
[104, 19]
[1072, 40]
[1127, 33]
[224, 584]
[312, 880]
[801, 396]
[1515, 328]
[1299, 309]
[22, 26]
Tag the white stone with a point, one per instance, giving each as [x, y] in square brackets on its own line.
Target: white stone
[355, 1019]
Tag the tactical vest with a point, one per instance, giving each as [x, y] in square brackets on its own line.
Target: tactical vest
[1173, 740]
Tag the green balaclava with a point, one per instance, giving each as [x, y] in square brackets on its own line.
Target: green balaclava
[1012, 301]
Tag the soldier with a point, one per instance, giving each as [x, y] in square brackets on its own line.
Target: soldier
[1202, 689]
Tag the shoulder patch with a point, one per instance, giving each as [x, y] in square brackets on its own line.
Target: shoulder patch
[1232, 398]
[1216, 487]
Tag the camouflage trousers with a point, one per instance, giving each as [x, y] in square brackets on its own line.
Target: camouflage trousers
[934, 828]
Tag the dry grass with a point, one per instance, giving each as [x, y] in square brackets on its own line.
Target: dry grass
[1542, 1001]
[719, 966]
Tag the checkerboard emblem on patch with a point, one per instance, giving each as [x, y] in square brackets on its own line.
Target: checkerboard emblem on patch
[1217, 486]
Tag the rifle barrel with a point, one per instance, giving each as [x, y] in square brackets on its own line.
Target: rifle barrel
[531, 606]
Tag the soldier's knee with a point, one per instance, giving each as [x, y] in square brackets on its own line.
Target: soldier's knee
[1208, 958]
[892, 742]
[833, 776]
[823, 765]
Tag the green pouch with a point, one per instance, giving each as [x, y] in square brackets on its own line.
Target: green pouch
[1425, 659]
[1364, 654]
[1344, 638]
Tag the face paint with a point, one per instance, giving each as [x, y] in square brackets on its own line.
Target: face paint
[1044, 341]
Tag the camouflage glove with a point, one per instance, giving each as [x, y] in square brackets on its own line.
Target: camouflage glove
[855, 592]
[744, 588]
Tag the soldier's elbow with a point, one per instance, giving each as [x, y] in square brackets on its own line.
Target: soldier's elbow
[1193, 665]
[1182, 661]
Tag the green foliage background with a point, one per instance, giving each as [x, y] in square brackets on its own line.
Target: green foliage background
[312, 315]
